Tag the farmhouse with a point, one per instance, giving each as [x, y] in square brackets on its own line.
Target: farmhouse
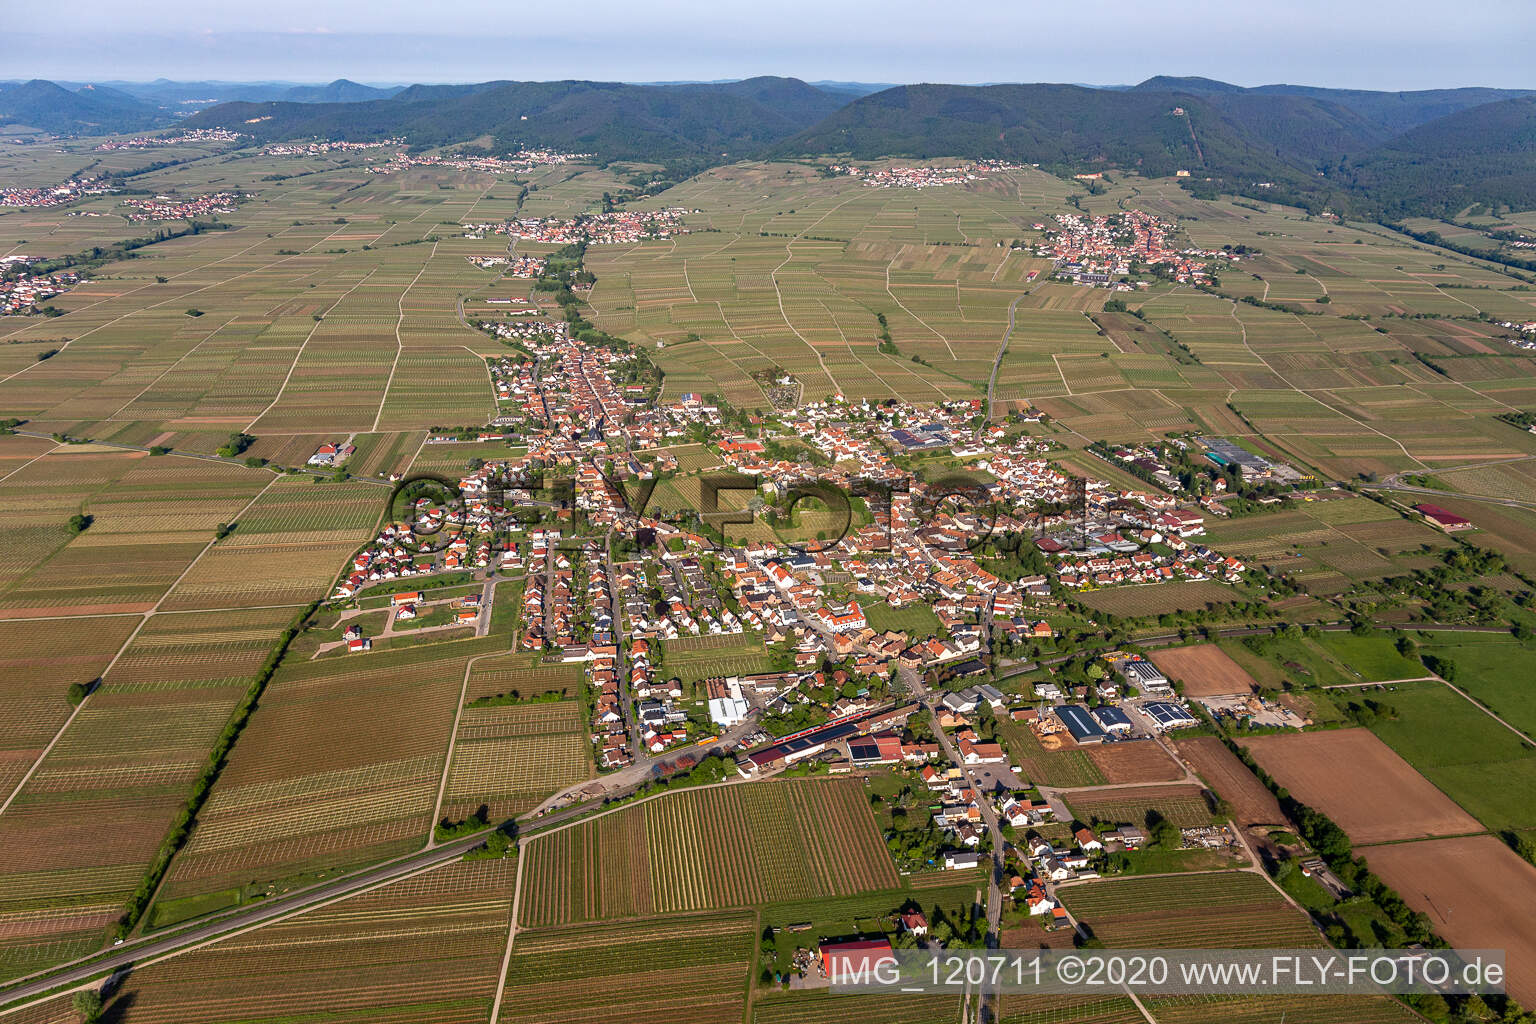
[1445, 519]
[849, 960]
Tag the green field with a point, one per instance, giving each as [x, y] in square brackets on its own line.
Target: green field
[1476, 761]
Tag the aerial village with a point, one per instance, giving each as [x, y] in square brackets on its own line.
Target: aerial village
[34, 197]
[611, 228]
[924, 177]
[21, 291]
[183, 138]
[1102, 249]
[171, 208]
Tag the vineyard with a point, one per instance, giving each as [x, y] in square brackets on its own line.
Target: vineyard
[1222, 910]
[719, 847]
[522, 674]
[1266, 1009]
[824, 1008]
[425, 948]
[341, 763]
[286, 549]
[1069, 767]
[653, 971]
[1068, 1009]
[87, 823]
[151, 518]
[510, 758]
[1182, 805]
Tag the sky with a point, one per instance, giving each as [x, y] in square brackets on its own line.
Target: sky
[1372, 44]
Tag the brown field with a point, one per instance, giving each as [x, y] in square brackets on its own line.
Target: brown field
[1205, 670]
[1252, 804]
[1156, 598]
[1477, 891]
[1358, 781]
[1141, 761]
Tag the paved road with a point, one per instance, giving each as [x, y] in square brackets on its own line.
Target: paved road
[1391, 484]
[139, 952]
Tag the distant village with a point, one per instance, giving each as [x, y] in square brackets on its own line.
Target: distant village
[518, 163]
[1100, 250]
[925, 177]
[20, 291]
[194, 135]
[172, 208]
[614, 227]
[28, 197]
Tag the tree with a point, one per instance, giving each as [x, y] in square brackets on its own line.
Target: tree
[80, 522]
[87, 1006]
[1162, 832]
[77, 692]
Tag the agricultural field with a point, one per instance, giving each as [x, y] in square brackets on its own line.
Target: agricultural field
[1265, 1009]
[695, 658]
[424, 948]
[1181, 804]
[653, 970]
[151, 518]
[1137, 761]
[1064, 764]
[521, 675]
[1155, 598]
[1475, 890]
[510, 758]
[723, 846]
[1326, 545]
[1205, 670]
[824, 1008]
[1484, 766]
[1497, 670]
[916, 620]
[84, 827]
[39, 660]
[1354, 778]
[1222, 910]
[1252, 803]
[341, 764]
[287, 548]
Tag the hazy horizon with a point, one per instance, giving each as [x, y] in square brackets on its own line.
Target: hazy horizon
[1372, 44]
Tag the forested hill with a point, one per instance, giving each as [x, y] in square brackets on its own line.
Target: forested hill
[1391, 112]
[669, 123]
[92, 110]
[1234, 137]
[1335, 150]
[1486, 154]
